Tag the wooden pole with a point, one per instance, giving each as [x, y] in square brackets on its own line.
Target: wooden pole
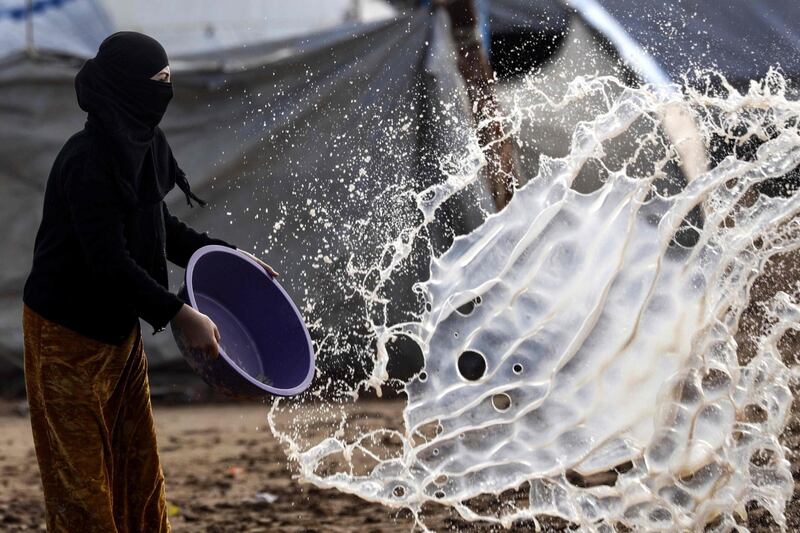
[29, 44]
[473, 63]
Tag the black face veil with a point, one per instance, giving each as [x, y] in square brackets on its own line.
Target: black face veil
[125, 107]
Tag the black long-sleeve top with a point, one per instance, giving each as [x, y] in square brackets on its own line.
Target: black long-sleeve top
[86, 275]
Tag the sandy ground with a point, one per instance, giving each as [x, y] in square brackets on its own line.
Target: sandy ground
[223, 469]
[225, 472]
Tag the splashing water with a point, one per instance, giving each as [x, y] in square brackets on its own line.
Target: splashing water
[576, 334]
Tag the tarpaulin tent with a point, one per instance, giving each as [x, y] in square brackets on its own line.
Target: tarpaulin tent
[191, 26]
[742, 39]
[664, 41]
[525, 35]
[640, 41]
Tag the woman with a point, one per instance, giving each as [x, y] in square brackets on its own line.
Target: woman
[100, 265]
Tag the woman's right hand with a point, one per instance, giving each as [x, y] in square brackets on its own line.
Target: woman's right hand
[198, 332]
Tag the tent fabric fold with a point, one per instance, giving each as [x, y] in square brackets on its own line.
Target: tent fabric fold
[740, 38]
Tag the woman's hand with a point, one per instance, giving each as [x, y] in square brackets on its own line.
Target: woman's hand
[197, 331]
[266, 267]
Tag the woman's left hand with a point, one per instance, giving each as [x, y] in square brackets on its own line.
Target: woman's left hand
[266, 267]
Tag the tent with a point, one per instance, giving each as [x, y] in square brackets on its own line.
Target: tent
[641, 41]
[192, 26]
[296, 142]
[742, 39]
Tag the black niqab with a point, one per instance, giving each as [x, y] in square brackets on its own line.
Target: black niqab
[125, 107]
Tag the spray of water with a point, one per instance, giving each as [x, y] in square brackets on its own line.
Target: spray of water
[580, 336]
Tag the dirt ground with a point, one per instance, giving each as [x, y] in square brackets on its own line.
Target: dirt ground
[225, 472]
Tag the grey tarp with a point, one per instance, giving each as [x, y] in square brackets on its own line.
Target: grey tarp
[524, 35]
[293, 144]
[524, 16]
[741, 38]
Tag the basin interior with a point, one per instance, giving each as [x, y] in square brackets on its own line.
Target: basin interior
[260, 331]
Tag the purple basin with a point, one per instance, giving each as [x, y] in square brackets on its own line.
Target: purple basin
[265, 347]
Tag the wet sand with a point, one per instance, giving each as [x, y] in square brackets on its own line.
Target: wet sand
[226, 472]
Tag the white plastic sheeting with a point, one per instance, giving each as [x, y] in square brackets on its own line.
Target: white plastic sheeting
[192, 26]
[741, 39]
[66, 26]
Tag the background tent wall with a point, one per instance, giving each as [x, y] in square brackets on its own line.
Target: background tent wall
[525, 35]
[191, 26]
[698, 34]
[693, 37]
[583, 53]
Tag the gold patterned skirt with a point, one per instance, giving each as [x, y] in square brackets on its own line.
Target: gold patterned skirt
[93, 431]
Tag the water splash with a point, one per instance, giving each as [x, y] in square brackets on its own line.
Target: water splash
[585, 334]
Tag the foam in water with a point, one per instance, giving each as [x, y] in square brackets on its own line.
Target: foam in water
[573, 334]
